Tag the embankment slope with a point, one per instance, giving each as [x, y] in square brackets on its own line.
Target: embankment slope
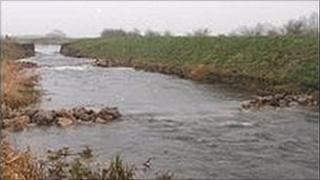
[261, 64]
[17, 86]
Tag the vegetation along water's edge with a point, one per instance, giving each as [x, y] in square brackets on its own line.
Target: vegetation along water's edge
[18, 86]
[265, 65]
[18, 95]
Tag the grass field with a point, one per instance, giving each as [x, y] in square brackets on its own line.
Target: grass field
[263, 64]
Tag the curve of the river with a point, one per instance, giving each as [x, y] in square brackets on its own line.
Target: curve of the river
[192, 129]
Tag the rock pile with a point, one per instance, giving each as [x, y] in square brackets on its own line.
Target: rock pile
[28, 64]
[16, 121]
[281, 100]
[113, 63]
[102, 63]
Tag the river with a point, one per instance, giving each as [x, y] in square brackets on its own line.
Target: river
[193, 129]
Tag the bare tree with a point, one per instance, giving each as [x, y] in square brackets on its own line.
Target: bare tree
[301, 26]
[312, 24]
[244, 31]
[167, 33]
[134, 32]
[151, 33]
[294, 27]
[260, 29]
[271, 30]
[113, 33]
[201, 32]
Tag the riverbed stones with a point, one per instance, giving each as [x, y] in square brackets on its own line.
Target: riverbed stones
[28, 64]
[61, 118]
[66, 113]
[44, 117]
[102, 62]
[64, 122]
[109, 113]
[101, 121]
[84, 114]
[281, 100]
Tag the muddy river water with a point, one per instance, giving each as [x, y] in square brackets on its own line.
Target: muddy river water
[193, 129]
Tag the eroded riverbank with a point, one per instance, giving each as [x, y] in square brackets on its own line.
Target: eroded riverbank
[192, 129]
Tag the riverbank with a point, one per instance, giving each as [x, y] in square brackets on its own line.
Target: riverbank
[19, 94]
[265, 65]
[18, 87]
[18, 90]
[11, 50]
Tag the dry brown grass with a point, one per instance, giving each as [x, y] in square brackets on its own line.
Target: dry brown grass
[200, 71]
[18, 88]
[16, 165]
[13, 50]
[62, 164]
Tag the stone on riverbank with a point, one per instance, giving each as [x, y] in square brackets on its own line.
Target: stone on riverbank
[62, 118]
[109, 113]
[44, 117]
[102, 63]
[281, 100]
[84, 114]
[64, 122]
[28, 64]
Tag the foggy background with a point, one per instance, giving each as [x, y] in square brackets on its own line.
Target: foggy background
[84, 18]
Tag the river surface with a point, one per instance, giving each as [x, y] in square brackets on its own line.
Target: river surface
[194, 130]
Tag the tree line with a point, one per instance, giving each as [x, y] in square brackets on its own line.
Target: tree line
[301, 26]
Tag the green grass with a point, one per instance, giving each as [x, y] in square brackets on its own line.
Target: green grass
[281, 63]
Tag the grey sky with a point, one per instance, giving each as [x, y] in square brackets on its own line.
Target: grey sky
[84, 18]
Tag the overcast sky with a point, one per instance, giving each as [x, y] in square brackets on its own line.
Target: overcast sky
[84, 18]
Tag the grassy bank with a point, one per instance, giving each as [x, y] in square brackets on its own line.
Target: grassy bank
[12, 50]
[18, 91]
[42, 40]
[261, 64]
[17, 86]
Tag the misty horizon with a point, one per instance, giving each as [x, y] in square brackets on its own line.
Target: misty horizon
[88, 19]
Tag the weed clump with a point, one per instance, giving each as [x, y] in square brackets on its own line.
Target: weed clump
[64, 164]
[16, 165]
